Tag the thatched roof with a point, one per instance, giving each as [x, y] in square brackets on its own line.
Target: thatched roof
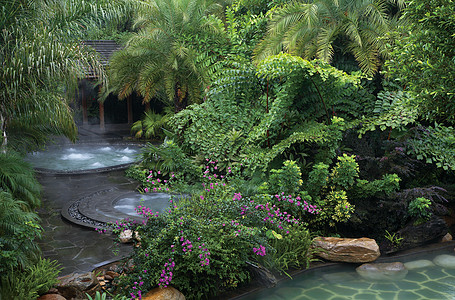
[105, 48]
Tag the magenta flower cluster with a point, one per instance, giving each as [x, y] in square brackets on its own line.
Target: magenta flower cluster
[146, 212]
[137, 294]
[204, 256]
[274, 214]
[166, 273]
[312, 209]
[157, 184]
[187, 246]
[101, 230]
[259, 251]
[123, 225]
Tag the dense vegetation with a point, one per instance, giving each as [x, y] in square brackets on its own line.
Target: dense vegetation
[284, 120]
[321, 138]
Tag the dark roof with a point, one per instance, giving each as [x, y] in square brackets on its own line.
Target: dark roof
[105, 48]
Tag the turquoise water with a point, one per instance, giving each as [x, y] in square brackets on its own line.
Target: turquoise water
[343, 282]
[83, 157]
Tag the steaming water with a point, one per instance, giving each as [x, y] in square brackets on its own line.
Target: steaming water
[83, 157]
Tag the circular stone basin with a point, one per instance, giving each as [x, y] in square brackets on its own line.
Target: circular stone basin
[111, 205]
[79, 157]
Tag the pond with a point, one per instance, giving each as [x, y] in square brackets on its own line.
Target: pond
[77, 157]
[343, 282]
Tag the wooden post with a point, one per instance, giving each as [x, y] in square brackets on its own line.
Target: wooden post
[102, 127]
[129, 105]
[84, 107]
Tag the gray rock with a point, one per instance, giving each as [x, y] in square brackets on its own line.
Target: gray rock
[445, 261]
[418, 264]
[383, 271]
[75, 285]
[418, 235]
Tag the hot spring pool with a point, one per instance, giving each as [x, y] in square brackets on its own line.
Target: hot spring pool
[83, 157]
[342, 283]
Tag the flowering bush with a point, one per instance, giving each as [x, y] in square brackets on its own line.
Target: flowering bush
[202, 244]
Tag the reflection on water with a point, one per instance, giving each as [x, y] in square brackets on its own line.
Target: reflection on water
[429, 281]
[82, 157]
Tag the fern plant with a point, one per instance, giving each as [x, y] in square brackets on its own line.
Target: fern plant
[18, 178]
[31, 282]
[18, 229]
[151, 124]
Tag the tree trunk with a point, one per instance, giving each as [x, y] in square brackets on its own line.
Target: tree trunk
[4, 137]
[180, 99]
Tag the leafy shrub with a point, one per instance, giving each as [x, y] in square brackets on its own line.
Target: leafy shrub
[435, 144]
[286, 180]
[18, 229]
[33, 281]
[151, 125]
[203, 243]
[345, 172]
[419, 208]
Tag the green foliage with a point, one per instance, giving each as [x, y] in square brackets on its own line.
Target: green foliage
[167, 158]
[31, 282]
[345, 172]
[151, 125]
[389, 184]
[18, 228]
[312, 29]
[419, 208]
[42, 61]
[434, 144]
[422, 58]
[287, 179]
[18, 178]
[171, 52]
[393, 110]
[393, 238]
[335, 208]
[292, 251]
[318, 179]
[103, 296]
[207, 239]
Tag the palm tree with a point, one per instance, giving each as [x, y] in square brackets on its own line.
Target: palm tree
[42, 59]
[161, 56]
[312, 29]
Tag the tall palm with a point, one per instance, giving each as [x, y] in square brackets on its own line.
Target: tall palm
[162, 57]
[41, 60]
[312, 28]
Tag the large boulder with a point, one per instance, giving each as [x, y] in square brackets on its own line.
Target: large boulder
[76, 285]
[383, 271]
[417, 235]
[353, 250]
[167, 293]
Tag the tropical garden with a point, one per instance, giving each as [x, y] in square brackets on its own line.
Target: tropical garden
[284, 120]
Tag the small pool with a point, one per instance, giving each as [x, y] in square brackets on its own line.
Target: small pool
[83, 157]
[343, 282]
[154, 201]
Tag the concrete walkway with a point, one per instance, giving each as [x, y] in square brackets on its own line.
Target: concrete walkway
[76, 248]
